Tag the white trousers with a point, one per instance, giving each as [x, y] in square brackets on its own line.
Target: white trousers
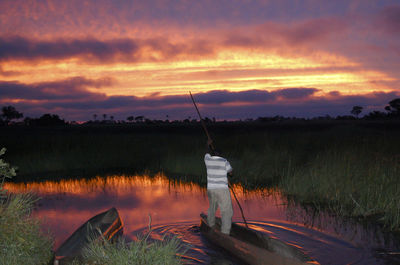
[220, 198]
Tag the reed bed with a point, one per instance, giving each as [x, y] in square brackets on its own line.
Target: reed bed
[349, 168]
[21, 238]
[354, 183]
[133, 253]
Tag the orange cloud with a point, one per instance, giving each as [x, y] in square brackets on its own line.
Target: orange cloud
[198, 47]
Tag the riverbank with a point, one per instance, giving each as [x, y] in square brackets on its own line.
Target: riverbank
[350, 168]
[22, 240]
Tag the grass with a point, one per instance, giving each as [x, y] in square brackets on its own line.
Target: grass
[23, 242]
[21, 238]
[350, 168]
[86, 152]
[353, 183]
[139, 252]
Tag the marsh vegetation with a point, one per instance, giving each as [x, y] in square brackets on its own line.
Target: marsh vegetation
[138, 252]
[348, 167]
[22, 240]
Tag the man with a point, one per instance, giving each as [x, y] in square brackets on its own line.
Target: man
[217, 189]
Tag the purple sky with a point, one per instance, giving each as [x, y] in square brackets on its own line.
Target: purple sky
[240, 59]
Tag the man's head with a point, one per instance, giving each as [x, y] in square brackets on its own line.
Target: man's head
[215, 152]
[211, 149]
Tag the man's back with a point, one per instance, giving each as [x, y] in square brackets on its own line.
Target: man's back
[217, 170]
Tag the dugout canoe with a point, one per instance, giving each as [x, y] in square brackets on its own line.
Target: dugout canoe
[253, 247]
[107, 224]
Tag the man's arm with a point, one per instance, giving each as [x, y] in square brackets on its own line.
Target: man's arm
[209, 146]
[229, 169]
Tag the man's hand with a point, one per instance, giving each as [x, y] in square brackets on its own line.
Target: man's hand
[210, 145]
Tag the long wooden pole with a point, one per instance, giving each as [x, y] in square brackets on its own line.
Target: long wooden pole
[202, 121]
[212, 147]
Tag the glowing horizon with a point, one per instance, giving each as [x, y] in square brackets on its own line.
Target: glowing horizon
[83, 63]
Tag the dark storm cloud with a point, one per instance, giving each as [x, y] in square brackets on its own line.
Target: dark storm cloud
[74, 94]
[295, 93]
[94, 101]
[75, 99]
[69, 89]
[26, 49]
[225, 96]
[19, 48]
[253, 96]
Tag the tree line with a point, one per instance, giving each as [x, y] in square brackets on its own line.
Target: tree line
[10, 115]
[392, 110]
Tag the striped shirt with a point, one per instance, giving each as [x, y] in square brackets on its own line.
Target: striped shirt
[217, 170]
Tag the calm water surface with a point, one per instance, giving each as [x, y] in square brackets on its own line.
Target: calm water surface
[175, 207]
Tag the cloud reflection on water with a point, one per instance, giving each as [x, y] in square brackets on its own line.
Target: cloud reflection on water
[175, 207]
[67, 204]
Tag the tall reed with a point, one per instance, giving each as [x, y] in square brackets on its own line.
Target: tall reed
[141, 251]
[21, 238]
[352, 168]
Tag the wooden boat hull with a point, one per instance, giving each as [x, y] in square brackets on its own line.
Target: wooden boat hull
[107, 224]
[253, 247]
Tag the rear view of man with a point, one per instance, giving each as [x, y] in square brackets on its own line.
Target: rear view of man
[217, 189]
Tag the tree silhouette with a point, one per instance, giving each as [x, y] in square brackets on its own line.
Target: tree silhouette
[49, 120]
[394, 106]
[130, 118]
[376, 115]
[95, 117]
[10, 113]
[139, 118]
[356, 110]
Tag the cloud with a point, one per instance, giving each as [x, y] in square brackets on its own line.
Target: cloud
[73, 100]
[19, 48]
[311, 31]
[308, 108]
[123, 18]
[355, 38]
[296, 93]
[283, 37]
[388, 20]
[7, 73]
[272, 35]
[168, 49]
[70, 89]
[253, 96]
[225, 96]
[89, 49]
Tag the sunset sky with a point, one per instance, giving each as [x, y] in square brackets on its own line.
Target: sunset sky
[240, 59]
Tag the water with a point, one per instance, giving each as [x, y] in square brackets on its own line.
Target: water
[174, 209]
